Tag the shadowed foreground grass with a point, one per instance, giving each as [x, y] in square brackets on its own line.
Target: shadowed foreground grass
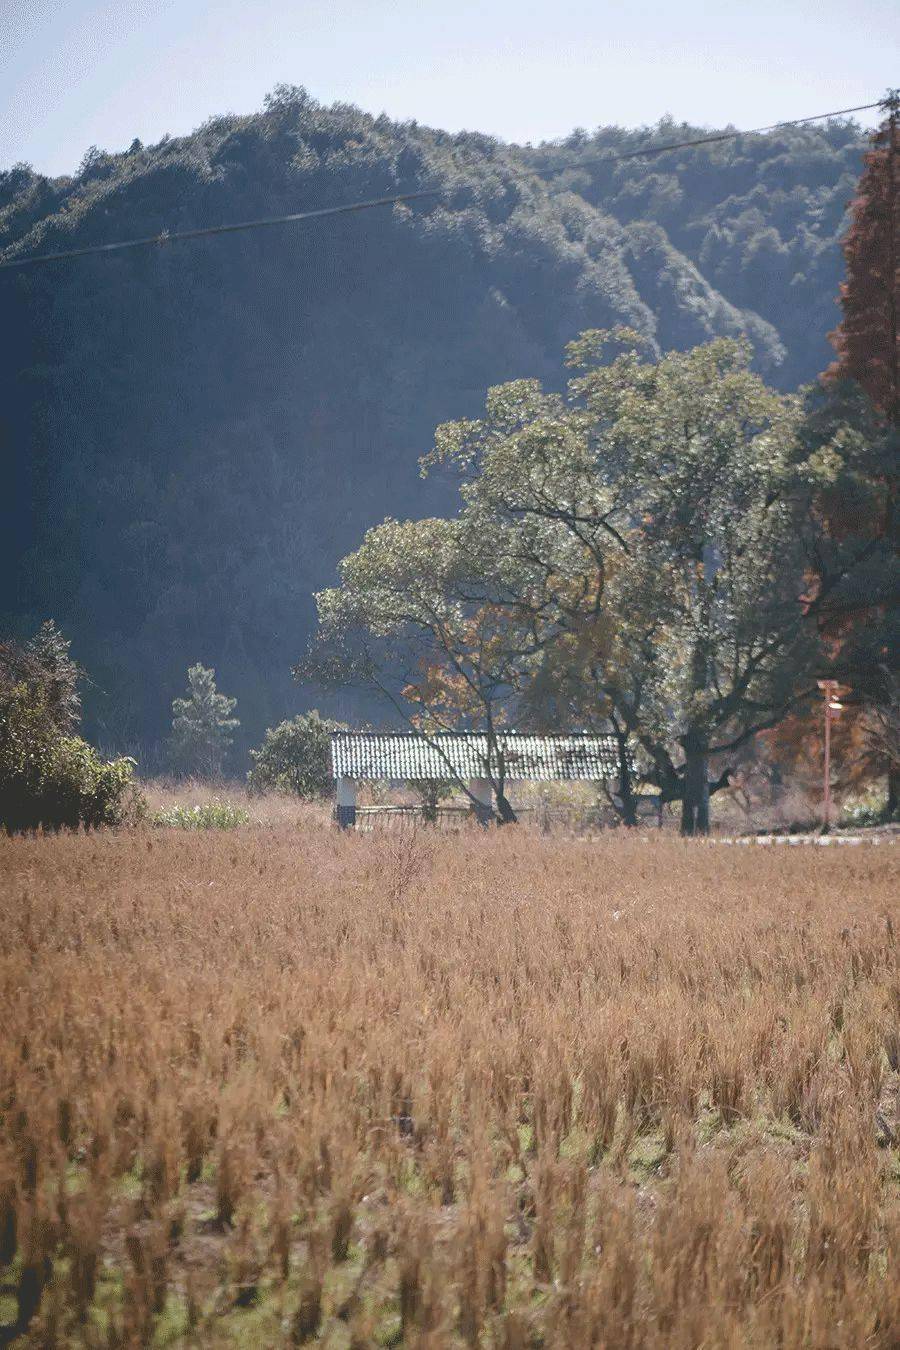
[283, 1085]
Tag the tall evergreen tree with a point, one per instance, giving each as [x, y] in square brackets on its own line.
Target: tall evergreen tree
[862, 499]
[202, 724]
[867, 340]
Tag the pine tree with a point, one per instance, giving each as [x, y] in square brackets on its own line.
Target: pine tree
[202, 725]
[47, 668]
[60, 675]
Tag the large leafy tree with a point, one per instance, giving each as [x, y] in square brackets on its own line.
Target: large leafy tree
[667, 493]
[637, 551]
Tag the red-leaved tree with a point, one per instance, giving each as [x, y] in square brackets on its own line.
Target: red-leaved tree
[867, 340]
[861, 504]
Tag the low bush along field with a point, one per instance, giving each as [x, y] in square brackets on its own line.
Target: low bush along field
[273, 1086]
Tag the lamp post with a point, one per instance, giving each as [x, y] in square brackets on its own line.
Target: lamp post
[833, 707]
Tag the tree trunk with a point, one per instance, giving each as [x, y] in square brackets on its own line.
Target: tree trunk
[505, 814]
[629, 807]
[893, 793]
[625, 786]
[695, 802]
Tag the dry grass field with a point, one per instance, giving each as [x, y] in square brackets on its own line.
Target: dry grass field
[278, 1086]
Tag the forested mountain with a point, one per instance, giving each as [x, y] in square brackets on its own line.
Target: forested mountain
[195, 433]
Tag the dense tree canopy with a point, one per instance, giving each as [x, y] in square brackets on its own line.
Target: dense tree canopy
[194, 434]
[641, 550]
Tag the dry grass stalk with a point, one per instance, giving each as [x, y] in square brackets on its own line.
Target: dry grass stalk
[492, 1089]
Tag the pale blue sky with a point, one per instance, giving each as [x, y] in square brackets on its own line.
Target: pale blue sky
[80, 72]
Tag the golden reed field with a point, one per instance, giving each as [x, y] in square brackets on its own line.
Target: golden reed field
[281, 1086]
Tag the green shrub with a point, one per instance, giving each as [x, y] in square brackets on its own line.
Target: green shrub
[50, 777]
[866, 811]
[63, 784]
[80, 788]
[213, 815]
[295, 757]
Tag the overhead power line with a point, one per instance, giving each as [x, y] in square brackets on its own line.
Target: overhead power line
[300, 217]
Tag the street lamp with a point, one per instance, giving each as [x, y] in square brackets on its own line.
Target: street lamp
[833, 709]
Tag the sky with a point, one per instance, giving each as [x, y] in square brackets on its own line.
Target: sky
[76, 73]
